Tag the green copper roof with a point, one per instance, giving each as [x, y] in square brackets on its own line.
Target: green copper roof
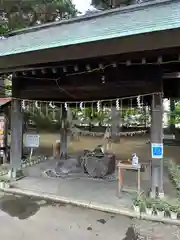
[137, 19]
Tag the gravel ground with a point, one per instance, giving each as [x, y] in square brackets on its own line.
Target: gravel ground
[156, 231]
[23, 218]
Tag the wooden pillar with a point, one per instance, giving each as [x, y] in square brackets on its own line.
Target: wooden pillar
[172, 116]
[157, 138]
[145, 116]
[69, 123]
[16, 137]
[115, 124]
[64, 130]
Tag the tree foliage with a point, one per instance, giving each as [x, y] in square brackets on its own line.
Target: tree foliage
[101, 4]
[107, 4]
[174, 117]
[18, 14]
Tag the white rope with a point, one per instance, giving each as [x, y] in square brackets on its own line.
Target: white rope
[23, 105]
[98, 106]
[81, 106]
[66, 106]
[36, 105]
[95, 101]
[117, 104]
[51, 105]
[139, 101]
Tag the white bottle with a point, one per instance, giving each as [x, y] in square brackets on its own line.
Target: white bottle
[135, 160]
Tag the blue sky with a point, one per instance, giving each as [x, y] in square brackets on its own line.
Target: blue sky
[82, 5]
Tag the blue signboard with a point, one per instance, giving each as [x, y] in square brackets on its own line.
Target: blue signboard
[157, 150]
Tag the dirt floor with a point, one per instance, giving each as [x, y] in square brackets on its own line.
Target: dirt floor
[123, 149]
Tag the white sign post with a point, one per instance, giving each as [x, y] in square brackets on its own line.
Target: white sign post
[32, 141]
[157, 150]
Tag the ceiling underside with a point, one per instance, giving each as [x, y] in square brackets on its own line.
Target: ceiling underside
[108, 83]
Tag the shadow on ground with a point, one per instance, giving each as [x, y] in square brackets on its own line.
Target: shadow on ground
[131, 234]
[23, 207]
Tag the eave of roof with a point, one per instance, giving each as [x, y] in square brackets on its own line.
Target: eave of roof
[4, 101]
[127, 21]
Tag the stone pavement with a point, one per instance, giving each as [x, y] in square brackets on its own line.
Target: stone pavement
[94, 194]
[23, 218]
[86, 192]
[110, 187]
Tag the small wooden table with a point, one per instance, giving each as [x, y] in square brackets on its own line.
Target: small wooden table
[127, 166]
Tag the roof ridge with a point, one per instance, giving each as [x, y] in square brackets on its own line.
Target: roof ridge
[130, 8]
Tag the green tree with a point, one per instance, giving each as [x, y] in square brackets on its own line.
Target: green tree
[107, 4]
[174, 113]
[101, 4]
[18, 14]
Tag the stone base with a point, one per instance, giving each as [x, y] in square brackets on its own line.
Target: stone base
[152, 195]
[15, 175]
[161, 195]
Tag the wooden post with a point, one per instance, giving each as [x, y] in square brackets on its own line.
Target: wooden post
[172, 116]
[16, 137]
[64, 129]
[120, 181]
[115, 122]
[157, 137]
